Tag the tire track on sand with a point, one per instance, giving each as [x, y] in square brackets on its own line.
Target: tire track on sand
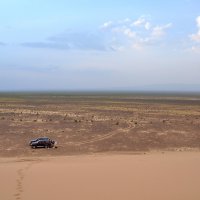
[104, 137]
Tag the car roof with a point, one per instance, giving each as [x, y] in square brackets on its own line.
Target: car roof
[43, 138]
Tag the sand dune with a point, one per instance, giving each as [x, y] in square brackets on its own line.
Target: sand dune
[153, 176]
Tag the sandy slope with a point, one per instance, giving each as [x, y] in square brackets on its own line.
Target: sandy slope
[154, 176]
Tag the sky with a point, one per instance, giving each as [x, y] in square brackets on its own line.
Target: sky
[100, 45]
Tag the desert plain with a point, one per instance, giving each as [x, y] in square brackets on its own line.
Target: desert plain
[110, 146]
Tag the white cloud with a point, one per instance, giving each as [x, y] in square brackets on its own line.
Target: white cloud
[119, 29]
[137, 46]
[195, 49]
[129, 33]
[147, 26]
[125, 21]
[139, 22]
[107, 24]
[198, 21]
[159, 31]
[196, 37]
[135, 33]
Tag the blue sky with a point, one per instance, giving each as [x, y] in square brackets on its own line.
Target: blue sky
[100, 45]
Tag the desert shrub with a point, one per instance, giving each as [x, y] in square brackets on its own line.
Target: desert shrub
[65, 117]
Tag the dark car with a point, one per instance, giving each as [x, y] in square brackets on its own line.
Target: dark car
[42, 142]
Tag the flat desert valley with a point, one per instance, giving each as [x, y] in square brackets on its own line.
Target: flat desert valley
[110, 146]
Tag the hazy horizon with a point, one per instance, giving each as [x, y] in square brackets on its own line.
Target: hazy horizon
[84, 45]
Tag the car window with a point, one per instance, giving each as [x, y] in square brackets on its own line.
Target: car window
[40, 142]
